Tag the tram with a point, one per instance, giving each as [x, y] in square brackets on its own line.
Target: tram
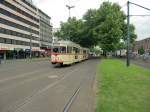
[67, 52]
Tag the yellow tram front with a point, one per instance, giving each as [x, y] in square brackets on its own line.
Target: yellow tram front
[58, 54]
[67, 52]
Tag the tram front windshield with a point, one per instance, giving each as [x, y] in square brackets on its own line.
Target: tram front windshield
[60, 49]
[56, 50]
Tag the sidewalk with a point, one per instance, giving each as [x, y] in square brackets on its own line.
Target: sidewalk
[24, 60]
[138, 62]
[142, 63]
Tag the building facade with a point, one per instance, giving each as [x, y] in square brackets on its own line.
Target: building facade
[45, 30]
[55, 39]
[145, 43]
[19, 29]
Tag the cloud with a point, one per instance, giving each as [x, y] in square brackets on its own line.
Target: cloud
[36, 2]
[142, 27]
[142, 24]
[57, 10]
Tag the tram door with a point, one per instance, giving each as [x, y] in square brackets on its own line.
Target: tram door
[75, 53]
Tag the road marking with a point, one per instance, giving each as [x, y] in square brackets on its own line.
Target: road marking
[28, 80]
[29, 99]
[20, 76]
[52, 76]
[16, 108]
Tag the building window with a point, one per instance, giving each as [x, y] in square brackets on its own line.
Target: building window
[8, 41]
[29, 4]
[14, 33]
[19, 10]
[2, 40]
[17, 42]
[17, 18]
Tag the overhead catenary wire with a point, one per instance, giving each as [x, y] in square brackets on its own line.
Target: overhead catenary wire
[128, 28]
[140, 6]
[141, 15]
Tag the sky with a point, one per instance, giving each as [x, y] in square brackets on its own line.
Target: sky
[58, 12]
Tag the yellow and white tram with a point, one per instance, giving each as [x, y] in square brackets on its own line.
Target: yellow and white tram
[67, 52]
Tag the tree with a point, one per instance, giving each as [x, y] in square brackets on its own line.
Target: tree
[70, 30]
[121, 45]
[74, 30]
[88, 30]
[111, 20]
[104, 26]
[133, 36]
[108, 27]
[141, 50]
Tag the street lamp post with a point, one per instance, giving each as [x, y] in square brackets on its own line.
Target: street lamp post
[128, 34]
[128, 27]
[31, 43]
[31, 46]
[69, 8]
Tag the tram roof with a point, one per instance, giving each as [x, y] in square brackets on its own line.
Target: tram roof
[68, 43]
[65, 43]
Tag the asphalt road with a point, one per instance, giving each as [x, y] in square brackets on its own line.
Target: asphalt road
[40, 87]
[141, 63]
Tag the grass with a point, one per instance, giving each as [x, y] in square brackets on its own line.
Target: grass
[122, 89]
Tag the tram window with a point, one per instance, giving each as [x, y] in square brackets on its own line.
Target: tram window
[69, 49]
[63, 49]
[56, 50]
[78, 50]
[74, 49]
[84, 51]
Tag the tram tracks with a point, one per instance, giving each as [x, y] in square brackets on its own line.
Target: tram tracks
[74, 95]
[19, 104]
[71, 100]
[78, 91]
[59, 95]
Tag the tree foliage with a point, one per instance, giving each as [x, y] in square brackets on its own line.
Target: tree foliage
[104, 26]
[132, 33]
[141, 50]
[110, 20]
[70, 29]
